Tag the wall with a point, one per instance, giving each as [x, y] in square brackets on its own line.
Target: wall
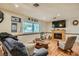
[70, 28]
[44, 27]
[5, 26]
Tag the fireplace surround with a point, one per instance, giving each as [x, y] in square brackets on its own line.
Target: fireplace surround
[58, 34]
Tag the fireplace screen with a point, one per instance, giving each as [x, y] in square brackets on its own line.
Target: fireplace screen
[57, 35]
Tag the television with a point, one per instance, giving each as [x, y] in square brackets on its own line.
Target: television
[59, 24]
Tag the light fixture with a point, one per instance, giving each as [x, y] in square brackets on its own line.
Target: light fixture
[35, 4]
[16, 5]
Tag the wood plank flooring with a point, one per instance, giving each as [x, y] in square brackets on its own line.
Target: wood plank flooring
[53, 50]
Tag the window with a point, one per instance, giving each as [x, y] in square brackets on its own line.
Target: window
[27, 27]
[36, 27]
[30, 27]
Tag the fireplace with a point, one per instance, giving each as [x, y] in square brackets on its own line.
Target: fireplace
[57, 35]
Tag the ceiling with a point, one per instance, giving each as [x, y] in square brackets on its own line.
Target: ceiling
[45, 11]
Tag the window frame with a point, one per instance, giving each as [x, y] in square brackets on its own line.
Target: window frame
[22, 30]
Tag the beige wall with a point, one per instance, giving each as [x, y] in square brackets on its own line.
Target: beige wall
[5, 26]
[70, 28]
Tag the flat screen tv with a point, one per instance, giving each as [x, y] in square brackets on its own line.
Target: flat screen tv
[59, 24]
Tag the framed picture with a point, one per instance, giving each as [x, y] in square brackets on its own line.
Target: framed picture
[15, 19]
[14, 27]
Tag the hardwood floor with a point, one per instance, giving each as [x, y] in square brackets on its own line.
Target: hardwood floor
[53, 50]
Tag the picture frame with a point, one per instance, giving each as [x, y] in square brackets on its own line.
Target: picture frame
[13, 27]
[15, 19]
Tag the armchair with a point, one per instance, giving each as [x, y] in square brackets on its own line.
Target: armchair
[67, 46]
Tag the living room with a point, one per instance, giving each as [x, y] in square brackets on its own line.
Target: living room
[40, 27]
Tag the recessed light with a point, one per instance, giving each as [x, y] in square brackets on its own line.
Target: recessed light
[16, 5]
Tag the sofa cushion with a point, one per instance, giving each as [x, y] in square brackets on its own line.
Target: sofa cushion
[41, 52]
